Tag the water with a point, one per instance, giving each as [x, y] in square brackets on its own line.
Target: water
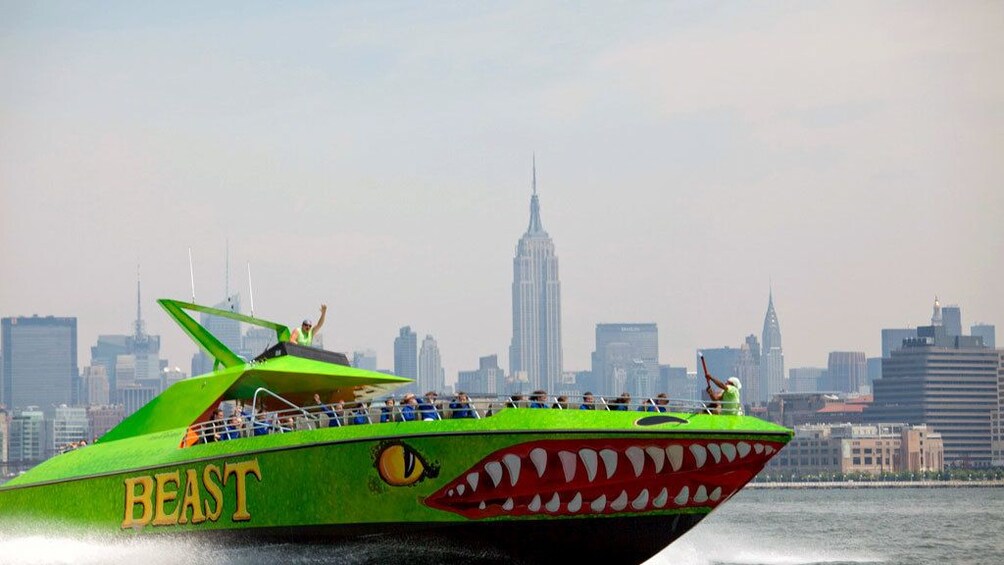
[757, 527]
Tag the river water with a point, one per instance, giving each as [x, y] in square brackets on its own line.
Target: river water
[757, 527]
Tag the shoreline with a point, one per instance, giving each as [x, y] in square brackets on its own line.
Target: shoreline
[877, 484]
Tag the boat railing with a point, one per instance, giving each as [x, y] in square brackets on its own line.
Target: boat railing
[248, 423]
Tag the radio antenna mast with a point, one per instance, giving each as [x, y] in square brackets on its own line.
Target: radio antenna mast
[191, 271]
[250, 289]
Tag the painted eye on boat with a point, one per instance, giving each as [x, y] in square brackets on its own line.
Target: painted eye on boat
[400, 466]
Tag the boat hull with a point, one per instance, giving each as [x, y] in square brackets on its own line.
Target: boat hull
[504, 487]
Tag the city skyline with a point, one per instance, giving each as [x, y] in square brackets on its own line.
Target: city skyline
[691, 159]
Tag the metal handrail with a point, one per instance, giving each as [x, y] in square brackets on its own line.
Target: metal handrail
[254, 401]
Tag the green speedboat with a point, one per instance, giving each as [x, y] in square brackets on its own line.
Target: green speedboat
[501, 482]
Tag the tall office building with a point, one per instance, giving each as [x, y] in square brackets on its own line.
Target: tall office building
[951, 319]
[365, 360]
[892, 339]
[721, 362]
[406, 353]
[847, 370]
[40, 361]
[535, 350]
[947, 382]
[69, 426]
[29, 437]
[139, 352]
[987, 332]
[806, 379]
[4, 439]
[487, 379]
[430, 366]
[772, 355]
[626, 359]
[94, 387]
[754, 387]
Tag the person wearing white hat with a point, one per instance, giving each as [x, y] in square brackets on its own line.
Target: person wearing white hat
[728, 397]
[304, 335]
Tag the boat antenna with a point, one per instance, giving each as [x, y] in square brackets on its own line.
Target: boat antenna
[250, 289]
[191, 272]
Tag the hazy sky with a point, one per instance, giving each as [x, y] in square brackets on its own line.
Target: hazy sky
[376, 156]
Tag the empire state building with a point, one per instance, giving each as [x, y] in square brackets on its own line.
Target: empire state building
[535, 351]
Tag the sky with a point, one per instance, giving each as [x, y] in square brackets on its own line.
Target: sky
[376, 157]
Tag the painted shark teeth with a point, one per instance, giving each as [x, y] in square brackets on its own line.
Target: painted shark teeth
[641, 500]
[636, 456]
[716, 494]
[743, 448]
[758, 447]
[609, 457]
[568, 464]
[538, 457]
[675, 455]
[575, 504]
[508, 505]
[715, 451]
[660, 500]
[700, 454]
[588, 457]
[461, 489]
[701, 495]
[599, 504]
[681, 498]
[554, 504]
[768, 449]
[472, 479]
[658, 456]
[534, 505]
[620, 502]
[494, 470]
[729, 451]
[513, 463]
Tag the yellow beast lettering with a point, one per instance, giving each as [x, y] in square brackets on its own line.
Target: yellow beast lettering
[201, 498]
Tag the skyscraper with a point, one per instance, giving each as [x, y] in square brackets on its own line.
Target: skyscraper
[139, 351]
[847, 370]
[626, 359]
[535, 350]
[430, 366]
[40, 361]
[892, 339]
[406, 354]
[987, 332]
[772, 356]
[951, 319]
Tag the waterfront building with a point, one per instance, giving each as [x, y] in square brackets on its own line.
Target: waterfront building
[69, 426]
[676, 383]
[806, 379]
[721, 362]
[406, 359]
[951, 320]
[171, 375]
[4, 440]
[430, 366]
[535, 350]
[94, 387]
[892, 338]
[871, 449]
[40, 362]
[847, 371]
[986, 332]
[486, 380]
[947, 382]
[366, 359]
[772, 354]
[874, 370]
[100, 419]
[748, 372]
[256, 341]
[792, 409]
[138, 353]
[626, 358]
[134, 397]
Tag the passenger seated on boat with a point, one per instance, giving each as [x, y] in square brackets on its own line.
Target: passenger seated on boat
[538, 399]
[587, 401]
[409, 408]
[261, 425]
[515, 401]
[334, 414]
[648, 406]
[561, 403]
[621, 402]
[387, 412]
[461, 406]
[427, 409]
[233, 430]
[357, 411]
[214, 428]
[661, 402]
